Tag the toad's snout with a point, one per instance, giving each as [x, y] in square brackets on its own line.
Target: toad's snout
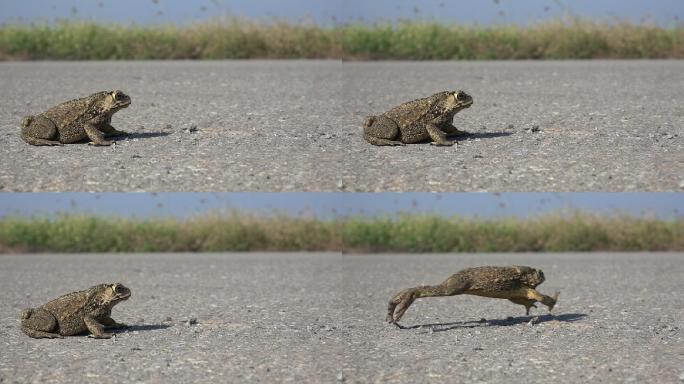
[464, 99]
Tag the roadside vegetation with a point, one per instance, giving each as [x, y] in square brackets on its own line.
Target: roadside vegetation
[245, 39]
[407, 233]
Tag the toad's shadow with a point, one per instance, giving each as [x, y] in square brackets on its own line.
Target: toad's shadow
[140, 135]
[483, 135]
[441, 327]
[141, 328]
[473, 136]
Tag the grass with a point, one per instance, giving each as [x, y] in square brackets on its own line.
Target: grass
[244, 39]
[240, 232]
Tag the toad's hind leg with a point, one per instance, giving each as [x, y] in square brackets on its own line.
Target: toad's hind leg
[401, 301]
[39, 323]
[381, 130]
[39, 130]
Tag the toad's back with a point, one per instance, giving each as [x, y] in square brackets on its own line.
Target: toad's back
[495, 279]
[412, 111]
[68, 112]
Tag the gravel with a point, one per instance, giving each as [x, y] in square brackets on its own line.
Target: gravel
[296, 126]
[319, 318]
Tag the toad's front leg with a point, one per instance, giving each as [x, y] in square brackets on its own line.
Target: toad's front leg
[527, 303]
[549, 301]
[438, 136]
[96, 329]
[96, 136]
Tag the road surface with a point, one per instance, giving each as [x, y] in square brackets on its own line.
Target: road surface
[296, 126]
[319, 318]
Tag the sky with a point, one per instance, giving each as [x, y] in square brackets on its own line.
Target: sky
[327, 12]
[329, 205]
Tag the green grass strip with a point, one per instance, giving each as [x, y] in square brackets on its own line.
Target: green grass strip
[244, 39]
[409, 233]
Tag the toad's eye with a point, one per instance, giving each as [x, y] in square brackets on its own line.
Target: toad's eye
[118, 96]
[118, 288]
[460, 96]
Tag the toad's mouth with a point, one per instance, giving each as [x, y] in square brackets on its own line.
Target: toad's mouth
[125, 296]
[468, 103]
[125, 104]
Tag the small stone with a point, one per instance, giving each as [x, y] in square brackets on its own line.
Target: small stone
[340, 377]
[511, 126]
[535, 128]
[168, 126]
[193, 128]
[168, 318]
[533, 321]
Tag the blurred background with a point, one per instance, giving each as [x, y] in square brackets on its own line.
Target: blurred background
[665, 206]
[346, 222]
[351, 29]
[486, 12]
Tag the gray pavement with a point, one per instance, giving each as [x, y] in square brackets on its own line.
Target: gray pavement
[319, 318]
[296, 126]
[602, 126]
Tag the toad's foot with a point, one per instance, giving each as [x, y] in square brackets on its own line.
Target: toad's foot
[399, 304]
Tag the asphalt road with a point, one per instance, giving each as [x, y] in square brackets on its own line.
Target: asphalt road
[319, 318]
[296, 126]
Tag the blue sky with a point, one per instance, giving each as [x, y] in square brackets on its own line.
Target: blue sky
[663, 12]
[327, 205]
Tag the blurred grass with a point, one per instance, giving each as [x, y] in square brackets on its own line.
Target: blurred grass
[244, 39]
[409, 233]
